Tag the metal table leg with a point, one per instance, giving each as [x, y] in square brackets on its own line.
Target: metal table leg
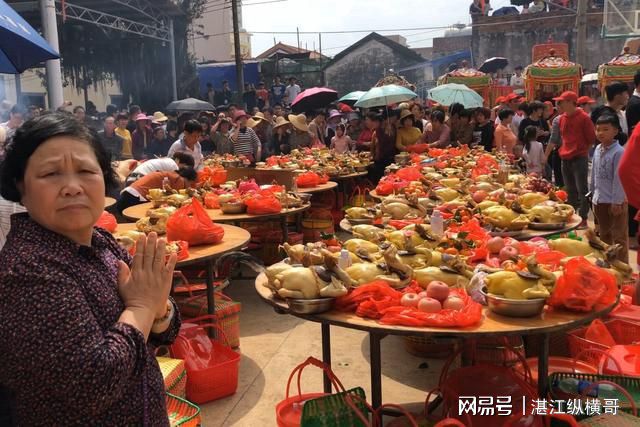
[285, 228]
[326, 353]
[543, 368]
[211, 308]
[376, 369]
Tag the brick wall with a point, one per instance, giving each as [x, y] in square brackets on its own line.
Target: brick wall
[513, 37]
[445, 45]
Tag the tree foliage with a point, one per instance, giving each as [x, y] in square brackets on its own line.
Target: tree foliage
[94, 55]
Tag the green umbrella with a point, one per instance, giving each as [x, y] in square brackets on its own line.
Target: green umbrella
[451, 93]
[352, 97]
[385, 95]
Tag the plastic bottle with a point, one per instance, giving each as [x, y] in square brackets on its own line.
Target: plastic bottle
[345, 259]
[437, 223]
[569, 385]
[607, 391]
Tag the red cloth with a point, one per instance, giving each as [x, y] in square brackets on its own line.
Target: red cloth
[629, 169]
[578, 134]
[365, 137]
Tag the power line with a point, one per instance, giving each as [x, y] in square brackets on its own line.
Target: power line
[245, 4]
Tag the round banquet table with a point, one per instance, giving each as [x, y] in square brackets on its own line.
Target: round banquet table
[375, 195]
[108, 202]
[549, 322]
[234, 238]
[526, 234]
[320, 188]
[140, 211]
[350, 176]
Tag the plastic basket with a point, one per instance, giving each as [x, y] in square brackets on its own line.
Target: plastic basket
[332, 410]
[219, 378]
[289, 410]
[174, 375]
[631, 385]
[622, 331]
[430, 347]
[181, 412]
[227, 314]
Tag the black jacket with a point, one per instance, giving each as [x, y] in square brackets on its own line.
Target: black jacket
[633, 112]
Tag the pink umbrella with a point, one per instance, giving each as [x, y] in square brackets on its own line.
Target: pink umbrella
[313, 98]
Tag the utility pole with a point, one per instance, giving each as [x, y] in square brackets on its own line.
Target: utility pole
[581, 25]
[236, 50]
[54, 72]
[321, 60]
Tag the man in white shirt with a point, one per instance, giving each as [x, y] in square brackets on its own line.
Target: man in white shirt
[292, 91]
[517, 80]
[189, 143]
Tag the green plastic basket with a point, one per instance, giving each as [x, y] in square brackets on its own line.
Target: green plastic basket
[181, 412]
[333, 410]
[631, 385]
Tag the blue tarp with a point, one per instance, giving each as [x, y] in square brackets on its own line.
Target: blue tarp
[217, 73]
[21, 46]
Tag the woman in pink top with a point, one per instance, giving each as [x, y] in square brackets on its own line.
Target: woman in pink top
[341, 143]
[503, 137]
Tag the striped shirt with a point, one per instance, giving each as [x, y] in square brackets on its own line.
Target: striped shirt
[7, 209]
[247, 143]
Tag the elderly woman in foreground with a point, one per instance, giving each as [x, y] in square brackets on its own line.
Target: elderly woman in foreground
[80, 318]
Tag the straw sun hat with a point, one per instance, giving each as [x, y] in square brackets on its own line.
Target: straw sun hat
[281, 121]
[299, 122]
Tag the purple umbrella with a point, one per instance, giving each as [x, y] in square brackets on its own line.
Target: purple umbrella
[313, 98]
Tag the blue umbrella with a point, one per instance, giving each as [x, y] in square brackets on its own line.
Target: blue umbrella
[385, 95]
[451, 93]
[21, 46]
[352, 97]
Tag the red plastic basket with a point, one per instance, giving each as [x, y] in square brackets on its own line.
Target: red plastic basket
[622, 331]
[219, 378]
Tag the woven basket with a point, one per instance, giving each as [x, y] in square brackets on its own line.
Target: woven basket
[181, 412]
[174, 375]
[493, 351]
[430, 347]
[227, 313]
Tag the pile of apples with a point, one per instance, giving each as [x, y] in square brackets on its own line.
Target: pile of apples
[434, 299]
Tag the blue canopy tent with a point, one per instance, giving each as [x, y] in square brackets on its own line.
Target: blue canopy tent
[21, 46]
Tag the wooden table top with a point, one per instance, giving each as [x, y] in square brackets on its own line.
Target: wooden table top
[235, 238]
[140, 211]
[322, 187]
[492, 324]
[351, 175]
[108, 202]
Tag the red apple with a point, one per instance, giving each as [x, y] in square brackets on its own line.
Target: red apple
[508, 253]
[438, 290]
[479, 196]
[409, 300]
[429, 305]
[453, 303]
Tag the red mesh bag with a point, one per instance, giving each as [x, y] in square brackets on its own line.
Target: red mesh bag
[409, 174]
[471, 314]
[418, 148]
[192, 224]
[107, 221]
[246, 186]
[308, 179]
[211, 201]
[214, 176]
[583, 286]
[263, 203]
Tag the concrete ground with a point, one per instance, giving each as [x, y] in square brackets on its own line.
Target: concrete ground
[272, 345]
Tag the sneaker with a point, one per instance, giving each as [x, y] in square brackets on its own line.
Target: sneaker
[583, 225]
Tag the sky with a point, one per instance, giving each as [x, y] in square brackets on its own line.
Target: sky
[346, 15]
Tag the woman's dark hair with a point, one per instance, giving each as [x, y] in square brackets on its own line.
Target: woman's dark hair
[35, 132]
[78, 108]
[172, 126]
[188, 173]
[407, 117]
[530, 134]
[534, 106]
[341, 126]
[486, 113]
[505, 113]
[184, 158]
[420, 107]
[465, 113]
[373, 116]
[192, 126]
[438, 116]
[455, 109]
[122, 116]
[205, 121]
